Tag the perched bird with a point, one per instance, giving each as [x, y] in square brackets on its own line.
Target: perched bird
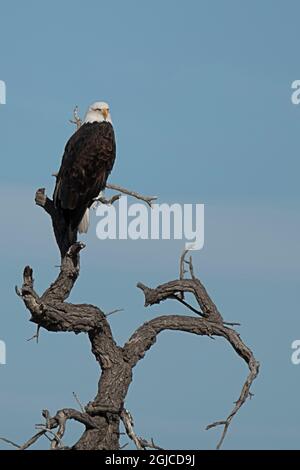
[86, 164]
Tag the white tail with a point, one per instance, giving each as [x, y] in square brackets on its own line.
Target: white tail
[85, 222]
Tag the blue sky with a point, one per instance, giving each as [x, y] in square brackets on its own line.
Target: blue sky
[200, 98]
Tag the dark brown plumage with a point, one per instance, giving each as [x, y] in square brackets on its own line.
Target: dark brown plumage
[86, 164]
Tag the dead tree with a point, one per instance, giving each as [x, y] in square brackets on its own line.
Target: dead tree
[101, 418]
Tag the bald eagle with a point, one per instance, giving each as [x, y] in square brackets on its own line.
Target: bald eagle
[86, 164]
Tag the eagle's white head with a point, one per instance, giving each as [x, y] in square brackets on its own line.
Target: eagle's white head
[98, 112]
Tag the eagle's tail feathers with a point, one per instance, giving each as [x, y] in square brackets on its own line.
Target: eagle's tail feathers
[85, 222]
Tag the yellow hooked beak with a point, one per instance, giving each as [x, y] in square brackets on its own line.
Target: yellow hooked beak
[105, 112]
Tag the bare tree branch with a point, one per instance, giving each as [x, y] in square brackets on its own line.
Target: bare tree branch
[182, 270]
[171, 288]
[140, 443]
[147, 199]
[128, 423]
[76, 119]
[117, 310]
[108, 202]
[79, 403]
[8, 441]
[36, 335]
[245, 393]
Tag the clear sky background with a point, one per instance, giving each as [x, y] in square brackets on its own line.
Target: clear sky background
[200, 98]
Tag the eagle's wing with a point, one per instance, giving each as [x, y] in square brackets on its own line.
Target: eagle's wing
[87, 161]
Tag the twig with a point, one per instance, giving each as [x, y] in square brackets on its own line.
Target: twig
[18, 292]
[186, 304]
[28, 443]
[108, 202]
[10, 442]
[36, 335]
[148, 199]
[191, 268]
[245, 393]
[150, 444]
[57, 441]
[46, 415]
[182, 271]
[76, 119]
[123, 446]
[79, 402]
[140, 443]
[128, 423]
[117, 310]
[55, 435]
[231, 323]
